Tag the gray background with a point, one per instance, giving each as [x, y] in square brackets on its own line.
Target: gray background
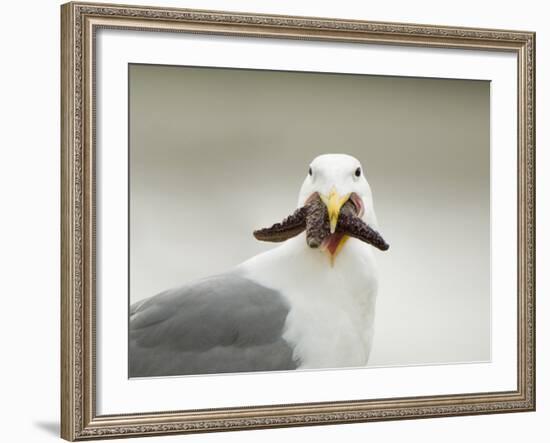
[205, 140]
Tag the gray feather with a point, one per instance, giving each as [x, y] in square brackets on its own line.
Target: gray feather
[221, 324]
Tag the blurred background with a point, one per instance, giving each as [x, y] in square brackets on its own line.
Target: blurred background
[217, 153]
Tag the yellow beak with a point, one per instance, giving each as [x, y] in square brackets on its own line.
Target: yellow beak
[334, 203]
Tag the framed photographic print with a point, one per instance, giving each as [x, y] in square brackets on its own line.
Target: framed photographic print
[281, 221]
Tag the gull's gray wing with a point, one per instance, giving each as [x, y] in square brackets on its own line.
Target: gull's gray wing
[225, 323]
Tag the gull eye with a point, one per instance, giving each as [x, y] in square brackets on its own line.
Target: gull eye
[310, 171]
[358, 172]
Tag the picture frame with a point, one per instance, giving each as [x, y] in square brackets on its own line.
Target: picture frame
[80, 178]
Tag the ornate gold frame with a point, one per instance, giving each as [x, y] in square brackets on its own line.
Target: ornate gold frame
[79, 22]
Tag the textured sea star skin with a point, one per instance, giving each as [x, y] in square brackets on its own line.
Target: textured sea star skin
[290, 227]
[313, 218]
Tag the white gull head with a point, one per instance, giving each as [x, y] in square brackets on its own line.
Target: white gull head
[340, 175]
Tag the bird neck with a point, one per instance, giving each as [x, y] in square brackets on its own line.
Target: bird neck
[353, 270]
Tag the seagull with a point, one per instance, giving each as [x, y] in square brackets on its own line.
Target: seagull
[308, 303]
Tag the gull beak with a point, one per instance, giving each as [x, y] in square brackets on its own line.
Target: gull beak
[334, 203]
